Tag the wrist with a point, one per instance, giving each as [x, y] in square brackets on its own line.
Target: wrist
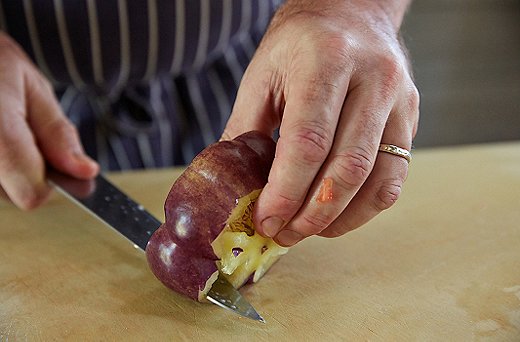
[394, 10]
[388, 13]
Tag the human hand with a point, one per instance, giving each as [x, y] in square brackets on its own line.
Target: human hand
[33, 131]
[335, 79]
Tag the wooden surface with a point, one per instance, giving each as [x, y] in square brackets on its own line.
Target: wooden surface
[443, 264]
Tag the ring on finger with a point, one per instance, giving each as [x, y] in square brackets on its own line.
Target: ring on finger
[396, 151]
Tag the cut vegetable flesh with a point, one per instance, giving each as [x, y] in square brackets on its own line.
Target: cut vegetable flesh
[241, 251]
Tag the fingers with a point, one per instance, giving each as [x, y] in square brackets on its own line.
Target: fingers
[325, 178]
[21, 164]
[32, 130]
[349, 176]
[57, 138]
[348, 165]
[306, 135]
[380, 192]
[384, 185]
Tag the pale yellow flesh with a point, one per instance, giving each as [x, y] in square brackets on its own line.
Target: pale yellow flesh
[258, 253]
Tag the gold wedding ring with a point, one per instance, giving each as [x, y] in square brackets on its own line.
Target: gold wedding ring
[396, 151]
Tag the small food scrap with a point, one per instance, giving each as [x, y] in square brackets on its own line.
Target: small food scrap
[325, 194]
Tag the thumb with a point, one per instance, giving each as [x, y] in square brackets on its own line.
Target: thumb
[56, 136]
[256, 107]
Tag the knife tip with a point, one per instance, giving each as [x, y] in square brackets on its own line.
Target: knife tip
[255, 316]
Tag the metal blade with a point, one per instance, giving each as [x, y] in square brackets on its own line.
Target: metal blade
[110, 205]
[223, 294]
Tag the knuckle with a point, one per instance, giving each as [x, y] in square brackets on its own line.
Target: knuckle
[284, 205]
[287, 200]
[414, 100]
[392, 74]
[387, 194]
[414, 103]
[352, 167]
[311, 142]
[391, 68]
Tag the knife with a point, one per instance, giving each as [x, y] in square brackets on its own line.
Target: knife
[120, 212]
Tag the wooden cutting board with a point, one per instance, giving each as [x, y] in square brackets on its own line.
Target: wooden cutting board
[443, 264]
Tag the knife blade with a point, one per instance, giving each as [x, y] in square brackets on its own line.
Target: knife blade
[127, 217]
[109, 204]
[223, 294]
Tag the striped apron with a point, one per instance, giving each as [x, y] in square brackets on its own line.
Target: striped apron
[148, 83]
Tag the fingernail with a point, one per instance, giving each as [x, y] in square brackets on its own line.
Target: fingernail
[288, 237]
[272, 226]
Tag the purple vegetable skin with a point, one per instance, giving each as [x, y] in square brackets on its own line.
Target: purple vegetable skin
[208, 226]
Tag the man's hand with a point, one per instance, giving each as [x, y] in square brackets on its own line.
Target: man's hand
[334, 78]
[33, 131]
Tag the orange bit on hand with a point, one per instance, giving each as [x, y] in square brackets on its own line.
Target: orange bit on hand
[325, 194]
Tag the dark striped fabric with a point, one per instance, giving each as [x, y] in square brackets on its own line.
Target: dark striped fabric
[148, 83]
